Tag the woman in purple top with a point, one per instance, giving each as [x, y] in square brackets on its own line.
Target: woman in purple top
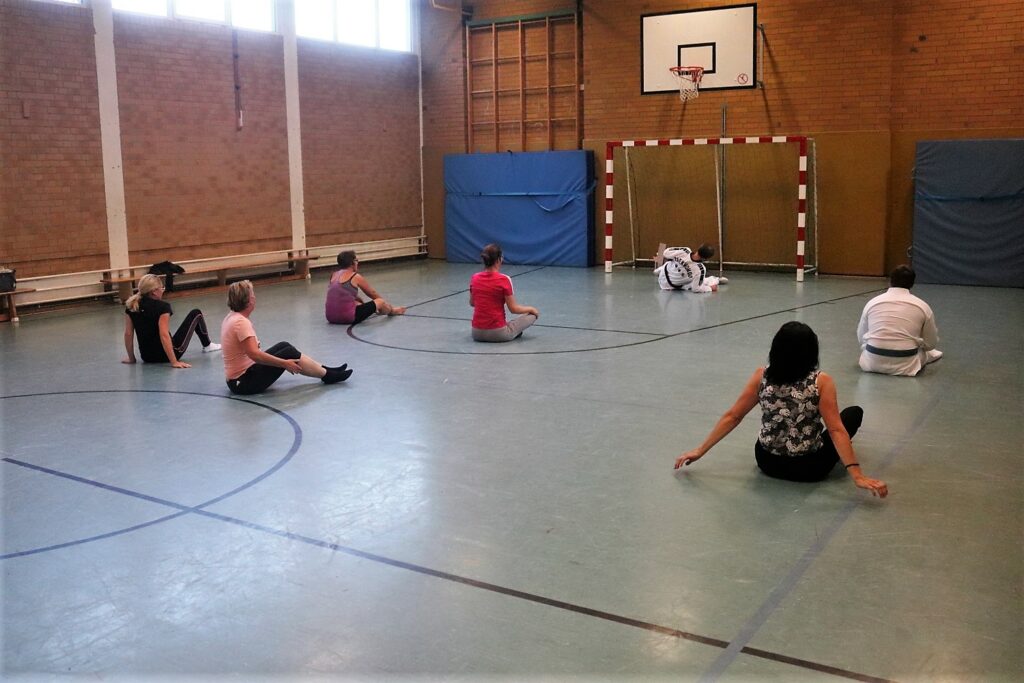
[344, 305]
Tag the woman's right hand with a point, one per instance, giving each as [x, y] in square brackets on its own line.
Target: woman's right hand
[292, 366]
[128, 361]
[534, 312]
[876, 486]
[179, 364]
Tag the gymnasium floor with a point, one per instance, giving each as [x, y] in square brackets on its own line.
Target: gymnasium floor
[459, 510]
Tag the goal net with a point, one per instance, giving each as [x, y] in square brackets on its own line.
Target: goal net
[754, 198]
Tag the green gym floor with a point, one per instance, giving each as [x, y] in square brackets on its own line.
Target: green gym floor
[470, 511]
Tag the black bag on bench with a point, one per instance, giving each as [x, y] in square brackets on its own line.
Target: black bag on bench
[7, 279]
[168, 270]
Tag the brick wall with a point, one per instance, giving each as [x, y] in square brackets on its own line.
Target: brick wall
[958, 64]
[360, 143]
[52, 208]
[195, 186]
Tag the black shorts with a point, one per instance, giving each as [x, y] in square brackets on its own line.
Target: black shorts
[364, 311]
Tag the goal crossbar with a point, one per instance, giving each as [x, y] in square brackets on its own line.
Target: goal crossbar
[801, 221]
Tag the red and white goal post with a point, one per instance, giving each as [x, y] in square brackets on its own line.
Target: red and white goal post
[801, 177]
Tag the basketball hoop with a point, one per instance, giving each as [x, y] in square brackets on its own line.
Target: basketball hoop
[689, 80]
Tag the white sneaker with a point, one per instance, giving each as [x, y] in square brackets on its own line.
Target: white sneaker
[211, 348]
[723, 280]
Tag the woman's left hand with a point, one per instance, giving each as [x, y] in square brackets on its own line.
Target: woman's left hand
[179, 364]
[688, 457]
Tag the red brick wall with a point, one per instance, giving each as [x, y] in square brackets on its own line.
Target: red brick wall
[360, 143]
[958, 64]
[195, 186]
[52, 207]
[444, 75]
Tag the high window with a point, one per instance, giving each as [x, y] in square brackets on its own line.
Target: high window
[385, 24]
[251, 14]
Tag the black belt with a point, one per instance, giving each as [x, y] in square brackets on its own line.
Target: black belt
[892, 353]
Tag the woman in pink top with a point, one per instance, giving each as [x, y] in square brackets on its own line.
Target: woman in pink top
[490, 292]
[248, 369]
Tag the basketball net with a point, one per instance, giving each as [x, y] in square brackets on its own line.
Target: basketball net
[688, 78]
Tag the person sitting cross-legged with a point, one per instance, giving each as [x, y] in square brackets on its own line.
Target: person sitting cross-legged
[490, 292]
[897, 331]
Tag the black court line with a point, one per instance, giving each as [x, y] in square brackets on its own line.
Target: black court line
[463, 291]
[463, 580]
[296, 443]
[351, 333]
[544, 325]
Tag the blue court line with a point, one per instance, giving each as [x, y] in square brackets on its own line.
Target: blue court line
[436, 573]
[781, 591]
[296, 443]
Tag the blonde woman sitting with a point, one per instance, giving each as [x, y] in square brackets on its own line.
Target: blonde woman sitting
[344, 305]
[250, 370]
[148, 316]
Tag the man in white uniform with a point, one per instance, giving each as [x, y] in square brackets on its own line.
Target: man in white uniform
[897, 332]
[684, 269]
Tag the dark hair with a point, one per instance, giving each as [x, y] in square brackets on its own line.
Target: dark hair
[902, 276]
[705, 251]
[794, 354]
[490, 254]
[346, 258]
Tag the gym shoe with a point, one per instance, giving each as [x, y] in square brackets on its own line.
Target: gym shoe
[723, 280]
[211, 348]
[335, 375]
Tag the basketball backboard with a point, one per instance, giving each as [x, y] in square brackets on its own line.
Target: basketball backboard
[720, 39]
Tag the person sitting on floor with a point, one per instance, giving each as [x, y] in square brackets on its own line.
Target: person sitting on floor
[490, 291]
[344, 306]
[249, 370]
[897, 331]
[684, 269]
[148, 316]
[795, 397]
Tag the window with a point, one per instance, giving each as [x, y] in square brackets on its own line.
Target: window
[253, 14]
[155, 8]
[200, 9]
[250, 14]
[384, 24]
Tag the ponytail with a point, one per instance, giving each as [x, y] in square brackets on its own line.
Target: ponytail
[147, 284]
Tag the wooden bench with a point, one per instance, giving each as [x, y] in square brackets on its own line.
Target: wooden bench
[295, 261]
[12, 310]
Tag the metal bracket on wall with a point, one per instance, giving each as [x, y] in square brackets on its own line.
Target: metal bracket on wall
[760, 56]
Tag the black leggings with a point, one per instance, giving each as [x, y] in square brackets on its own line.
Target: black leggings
[813, 466]
[194, 323]
[259, 377]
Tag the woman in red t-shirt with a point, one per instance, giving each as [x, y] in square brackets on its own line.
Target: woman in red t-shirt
[489, 293]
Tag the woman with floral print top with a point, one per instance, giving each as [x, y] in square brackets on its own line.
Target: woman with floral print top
[795, 397]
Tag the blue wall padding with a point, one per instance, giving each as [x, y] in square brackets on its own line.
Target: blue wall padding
[969, 212]
[537, 205]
